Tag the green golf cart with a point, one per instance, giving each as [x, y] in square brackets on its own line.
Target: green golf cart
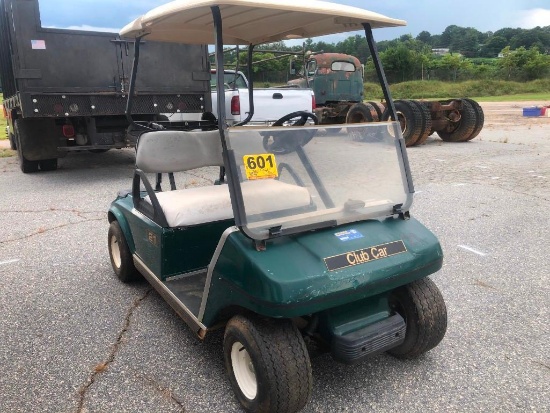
[303, 238]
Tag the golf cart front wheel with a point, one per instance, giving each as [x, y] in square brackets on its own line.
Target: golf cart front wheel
[268, 364]
[121, 257]
[421, 305]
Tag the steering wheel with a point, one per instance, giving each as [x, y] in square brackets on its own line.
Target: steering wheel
[282, 142]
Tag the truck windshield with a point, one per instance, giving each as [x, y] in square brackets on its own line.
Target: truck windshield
[298, 178]
[343, 66]
[230, 81]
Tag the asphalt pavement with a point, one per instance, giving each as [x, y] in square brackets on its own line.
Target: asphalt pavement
[75, 339]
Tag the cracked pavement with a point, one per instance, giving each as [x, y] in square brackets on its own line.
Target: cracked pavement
[75, 339]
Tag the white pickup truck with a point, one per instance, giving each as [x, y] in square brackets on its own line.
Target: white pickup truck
[270, 104]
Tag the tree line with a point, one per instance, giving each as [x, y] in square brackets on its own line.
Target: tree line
[457, 54]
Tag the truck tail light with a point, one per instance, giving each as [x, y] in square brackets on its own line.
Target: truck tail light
[68, 131]
[313, 103]
[235, 105]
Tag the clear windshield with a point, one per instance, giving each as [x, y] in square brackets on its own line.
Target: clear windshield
[299, 178]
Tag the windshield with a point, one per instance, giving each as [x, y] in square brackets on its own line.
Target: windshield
[231, 81]
[294, 179]
[343, 66]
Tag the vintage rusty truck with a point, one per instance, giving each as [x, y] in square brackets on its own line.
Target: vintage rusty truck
[337, 81]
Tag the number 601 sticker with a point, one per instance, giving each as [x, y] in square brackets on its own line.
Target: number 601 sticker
[261, 166]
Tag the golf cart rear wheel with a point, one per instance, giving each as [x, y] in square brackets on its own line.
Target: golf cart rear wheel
[121, 257]
[268, 364]
[422, 306]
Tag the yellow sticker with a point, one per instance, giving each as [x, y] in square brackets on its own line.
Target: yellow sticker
[261, 166]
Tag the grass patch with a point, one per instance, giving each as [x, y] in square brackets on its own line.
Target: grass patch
[483, 90]
[6, 153]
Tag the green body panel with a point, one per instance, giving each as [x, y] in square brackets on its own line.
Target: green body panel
[167, 251]
[290, 277]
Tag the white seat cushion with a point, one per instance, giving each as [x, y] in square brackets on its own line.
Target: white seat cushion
[203, 204]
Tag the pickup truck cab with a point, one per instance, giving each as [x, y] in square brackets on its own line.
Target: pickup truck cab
[270, 104]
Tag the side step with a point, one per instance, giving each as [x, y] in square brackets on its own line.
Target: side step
[371, 340]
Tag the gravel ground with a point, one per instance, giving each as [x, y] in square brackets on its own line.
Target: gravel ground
[74, 339]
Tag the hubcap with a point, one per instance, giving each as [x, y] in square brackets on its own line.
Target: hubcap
[115, 251]
[244, 371]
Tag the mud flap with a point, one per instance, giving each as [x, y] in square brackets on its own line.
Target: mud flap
[38, 139]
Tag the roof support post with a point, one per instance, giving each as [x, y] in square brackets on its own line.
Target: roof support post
[250, 87]
[379, 70]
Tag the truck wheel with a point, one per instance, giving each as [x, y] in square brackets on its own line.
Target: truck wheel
[25, 165]
[13, 144]
[421, 305]
[121, 257]
[379, 108]
[360, 113]
[268, 364]
[480, 119]
[48, 164]
[426, 129]
[411, 120]
[464, 128]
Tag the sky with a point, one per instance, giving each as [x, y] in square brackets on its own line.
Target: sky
[433, 16]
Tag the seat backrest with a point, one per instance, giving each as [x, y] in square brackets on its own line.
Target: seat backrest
[166, 151]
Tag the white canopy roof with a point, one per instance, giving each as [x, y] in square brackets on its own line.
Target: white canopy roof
[252, 21]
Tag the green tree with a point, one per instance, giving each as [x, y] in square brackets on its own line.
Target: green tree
[453, 63]
[493, 46]
[424, 37]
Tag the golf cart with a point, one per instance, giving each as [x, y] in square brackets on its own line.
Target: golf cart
[301, 240]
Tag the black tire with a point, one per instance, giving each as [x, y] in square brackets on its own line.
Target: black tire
[360, 113]
[98, 150]
[426, 122]
[25, 165]
[411, 120]
[13, 143]
[48, 164]
[268, 364]
[121, 257]
[480, 119]
[422, 306]
[464, 128]
[379, 108]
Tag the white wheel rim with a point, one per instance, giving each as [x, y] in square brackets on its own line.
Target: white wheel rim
[115, 251]
[244, 371]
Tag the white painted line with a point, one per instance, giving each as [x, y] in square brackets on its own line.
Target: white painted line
[459, 185]
[472, 250]
[495, 177]
[9, 261]
[418, 192]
